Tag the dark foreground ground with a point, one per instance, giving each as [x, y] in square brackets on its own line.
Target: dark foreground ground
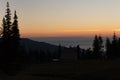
[70, 70]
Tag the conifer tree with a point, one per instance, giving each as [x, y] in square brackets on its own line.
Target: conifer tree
[108, 48]
[15, 31]
[115, 46]
[100, 42]
[15, 37]
[6, 34]
[7, 24]
[114, 41]
[101, 50]
[5, 56]
[97, 46]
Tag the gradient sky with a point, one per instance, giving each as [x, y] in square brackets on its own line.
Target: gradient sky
[43, 18]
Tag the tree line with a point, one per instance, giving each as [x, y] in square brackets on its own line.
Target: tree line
[100, 50]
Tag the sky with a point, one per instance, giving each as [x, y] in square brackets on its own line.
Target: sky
[54, 18]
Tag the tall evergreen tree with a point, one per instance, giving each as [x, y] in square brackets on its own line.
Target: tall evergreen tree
[108, 48]
[6, 34]
[115, 46]
[5, 57]
[100, 42]
[15, 31]
[101, 50]
[97, 46]
[15, 37]
[7, 24]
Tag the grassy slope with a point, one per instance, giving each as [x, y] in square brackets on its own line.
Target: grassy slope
[73, 70]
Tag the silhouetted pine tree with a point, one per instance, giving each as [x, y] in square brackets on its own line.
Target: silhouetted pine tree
[15, 31]
[115, 46]
[101, 46]
[97, 46]
[6, 36]
[15, 37]
[108, 48]
[7, 25]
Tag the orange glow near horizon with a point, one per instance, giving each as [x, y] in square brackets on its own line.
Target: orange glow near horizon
[72, 33]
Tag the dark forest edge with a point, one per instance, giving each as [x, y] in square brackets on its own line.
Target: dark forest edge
[16, 52]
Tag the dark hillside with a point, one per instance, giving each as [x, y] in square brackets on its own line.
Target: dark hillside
[37, 46]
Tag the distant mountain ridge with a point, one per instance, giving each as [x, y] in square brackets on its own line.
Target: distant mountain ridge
[31, 45]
